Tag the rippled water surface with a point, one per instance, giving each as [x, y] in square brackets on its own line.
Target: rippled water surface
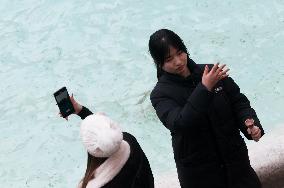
[98, 50]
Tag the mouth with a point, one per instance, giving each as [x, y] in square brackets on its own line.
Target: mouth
[180, 68]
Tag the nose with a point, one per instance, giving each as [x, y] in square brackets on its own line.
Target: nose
[177, 61]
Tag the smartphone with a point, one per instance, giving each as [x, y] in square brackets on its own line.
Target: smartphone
[64, 103]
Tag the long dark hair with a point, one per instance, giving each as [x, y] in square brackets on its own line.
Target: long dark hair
[92, 164]
[159, 47]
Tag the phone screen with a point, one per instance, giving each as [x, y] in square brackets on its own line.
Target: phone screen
[64, 102]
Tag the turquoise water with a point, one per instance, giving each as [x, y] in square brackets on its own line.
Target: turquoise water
[98, 50]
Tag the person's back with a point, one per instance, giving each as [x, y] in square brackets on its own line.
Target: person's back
[115, 158]
[136, 172]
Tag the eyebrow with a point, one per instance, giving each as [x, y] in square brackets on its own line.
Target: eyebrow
[169, 56]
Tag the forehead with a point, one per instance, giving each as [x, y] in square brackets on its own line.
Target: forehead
[172, 50]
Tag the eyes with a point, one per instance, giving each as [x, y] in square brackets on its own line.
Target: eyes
[168, 59]
[171, 56]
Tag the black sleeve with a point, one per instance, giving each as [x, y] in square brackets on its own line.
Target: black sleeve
[241, 106]
[176, 117]
[84, 113]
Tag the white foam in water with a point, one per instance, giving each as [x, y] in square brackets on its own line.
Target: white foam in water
[99, 51]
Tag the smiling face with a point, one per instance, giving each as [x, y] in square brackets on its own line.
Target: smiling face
[176, 62]
[169, 53]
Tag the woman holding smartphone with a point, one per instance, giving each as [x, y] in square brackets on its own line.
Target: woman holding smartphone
[205, 112]
[115, 158]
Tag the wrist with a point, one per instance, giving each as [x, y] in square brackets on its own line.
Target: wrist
[78, 109]
[208, 88]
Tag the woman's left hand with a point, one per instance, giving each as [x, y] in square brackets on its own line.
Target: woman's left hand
[255, 133]
[253, 130]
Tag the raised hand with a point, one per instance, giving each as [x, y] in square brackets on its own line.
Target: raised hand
[210, 78]
[77, 107]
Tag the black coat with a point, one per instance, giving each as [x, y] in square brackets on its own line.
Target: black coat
[205, 128]
[136, 173]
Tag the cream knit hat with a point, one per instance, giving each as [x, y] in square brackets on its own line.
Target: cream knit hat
[100, 135]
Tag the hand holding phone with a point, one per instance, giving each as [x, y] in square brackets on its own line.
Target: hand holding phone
[77, 107]
[64, 103]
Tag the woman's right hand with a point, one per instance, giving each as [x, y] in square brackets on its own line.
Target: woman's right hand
[77, 107]
[210, 78]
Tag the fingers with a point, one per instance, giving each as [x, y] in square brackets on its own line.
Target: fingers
[218, 71]
[72, 98]
[215, 67]
[258, 136]
[211, 77]
[62, 116]
[73, 101]
[249, 123]
[223, 74]
[206, 70]
[225, 71]
[249, 131]
[256, 133]
[254, 130]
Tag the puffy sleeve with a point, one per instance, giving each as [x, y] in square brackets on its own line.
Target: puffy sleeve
[176, 117]
[241, 106]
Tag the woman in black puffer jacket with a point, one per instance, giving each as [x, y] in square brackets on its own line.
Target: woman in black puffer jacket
[205, 112]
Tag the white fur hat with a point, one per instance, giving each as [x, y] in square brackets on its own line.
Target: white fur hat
[100, 135]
